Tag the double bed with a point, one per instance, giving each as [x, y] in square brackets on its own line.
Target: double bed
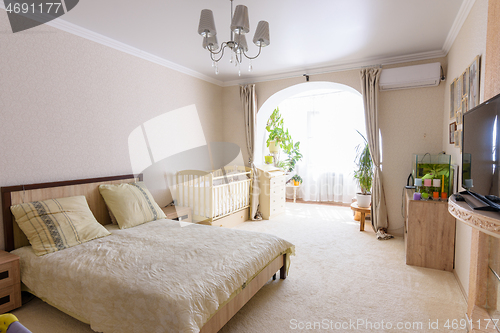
[160, 276]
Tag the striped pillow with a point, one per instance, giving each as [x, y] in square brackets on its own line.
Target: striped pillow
[56, 224]
[131, 204]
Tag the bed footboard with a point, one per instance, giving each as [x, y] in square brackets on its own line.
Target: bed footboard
[225, 313]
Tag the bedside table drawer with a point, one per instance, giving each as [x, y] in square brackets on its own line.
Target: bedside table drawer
[10, 298]
[9, 274]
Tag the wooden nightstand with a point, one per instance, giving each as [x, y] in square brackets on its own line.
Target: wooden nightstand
[10, 282]
[178, 213]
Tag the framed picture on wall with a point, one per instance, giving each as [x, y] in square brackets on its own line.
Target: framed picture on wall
[453, 128]
[474, 83]
[459, 117]
[465, 105]
[458, 139]
[465, 85]
[458, 94]
[452, 99]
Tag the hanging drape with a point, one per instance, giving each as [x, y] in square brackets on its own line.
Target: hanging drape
[370, 90]
[249, 100]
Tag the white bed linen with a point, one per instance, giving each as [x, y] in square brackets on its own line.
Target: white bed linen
[162, 276]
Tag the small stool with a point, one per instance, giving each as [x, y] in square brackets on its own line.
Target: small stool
[363, 212]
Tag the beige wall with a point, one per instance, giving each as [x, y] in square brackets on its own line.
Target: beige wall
[410, 122]
[68, 105]
[470, 42]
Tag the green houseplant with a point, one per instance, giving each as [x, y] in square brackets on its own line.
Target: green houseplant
[294, 156]
[277, 133]
[279, 137]
[364, 173]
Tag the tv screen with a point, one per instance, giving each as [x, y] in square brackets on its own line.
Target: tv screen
[480, 158]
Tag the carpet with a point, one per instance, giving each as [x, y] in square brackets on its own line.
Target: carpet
[340, 279]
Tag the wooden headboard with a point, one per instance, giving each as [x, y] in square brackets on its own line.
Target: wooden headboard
[13, 195]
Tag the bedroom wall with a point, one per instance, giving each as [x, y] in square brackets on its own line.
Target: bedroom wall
[68, 106]
[470, 42]
[410, 122]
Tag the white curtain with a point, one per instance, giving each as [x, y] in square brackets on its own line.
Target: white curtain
[370, 88]
[325, 123]
[249, 100]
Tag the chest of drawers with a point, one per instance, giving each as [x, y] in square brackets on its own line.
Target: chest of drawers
[272, 191]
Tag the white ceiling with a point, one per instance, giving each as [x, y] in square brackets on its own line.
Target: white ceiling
[306, 36]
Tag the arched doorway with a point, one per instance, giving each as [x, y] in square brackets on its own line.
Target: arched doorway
[325, 118]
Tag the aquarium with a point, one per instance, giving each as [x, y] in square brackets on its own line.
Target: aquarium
[434, 167]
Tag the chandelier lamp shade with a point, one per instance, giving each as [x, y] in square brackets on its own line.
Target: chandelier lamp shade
[237, 44]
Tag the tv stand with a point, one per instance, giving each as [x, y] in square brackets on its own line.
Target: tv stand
[484, 224]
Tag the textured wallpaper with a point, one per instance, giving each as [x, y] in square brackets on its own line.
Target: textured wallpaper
[68, 105]
[470, 42]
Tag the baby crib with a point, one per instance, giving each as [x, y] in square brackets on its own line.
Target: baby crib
[214, 195]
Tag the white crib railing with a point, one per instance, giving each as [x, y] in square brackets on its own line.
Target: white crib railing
[216, 194]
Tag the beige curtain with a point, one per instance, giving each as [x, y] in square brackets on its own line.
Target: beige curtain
[370, 89]
[249, 100]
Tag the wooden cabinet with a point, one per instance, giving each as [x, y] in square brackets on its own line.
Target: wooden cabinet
[10, 282]
[429, 235]
[272, 196]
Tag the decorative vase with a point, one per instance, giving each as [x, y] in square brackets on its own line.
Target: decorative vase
[364, 200]
[268, 159]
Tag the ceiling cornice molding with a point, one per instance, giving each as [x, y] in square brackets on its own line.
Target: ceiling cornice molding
[342, 67]
[463, 12]
[106, 41]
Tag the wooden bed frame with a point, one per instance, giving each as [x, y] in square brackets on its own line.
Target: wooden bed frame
[15, 238]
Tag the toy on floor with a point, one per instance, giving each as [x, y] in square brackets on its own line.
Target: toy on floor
[10, 324]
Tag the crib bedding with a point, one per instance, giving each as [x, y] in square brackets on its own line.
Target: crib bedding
[161, 276]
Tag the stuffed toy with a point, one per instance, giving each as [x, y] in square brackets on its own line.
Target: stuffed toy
[10, 324]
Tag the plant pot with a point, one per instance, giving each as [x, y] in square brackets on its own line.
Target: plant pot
[268, 159]
[296, 183]
[364, 200]
[272, 147]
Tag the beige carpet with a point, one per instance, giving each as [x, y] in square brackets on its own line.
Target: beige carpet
[341, 280]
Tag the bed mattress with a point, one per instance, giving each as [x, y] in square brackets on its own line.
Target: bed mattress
[162, 276]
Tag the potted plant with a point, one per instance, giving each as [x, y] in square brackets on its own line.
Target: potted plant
[294, 155]
[364, 173]
[279, 137]
[297, 180]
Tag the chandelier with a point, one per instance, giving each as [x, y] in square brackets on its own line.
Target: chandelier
[237, 44]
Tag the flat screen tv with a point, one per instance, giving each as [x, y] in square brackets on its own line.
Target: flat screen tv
[480, 157]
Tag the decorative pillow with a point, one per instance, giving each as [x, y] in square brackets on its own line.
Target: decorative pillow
[56, 224]
[131, 204]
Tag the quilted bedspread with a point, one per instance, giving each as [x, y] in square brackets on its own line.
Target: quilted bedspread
[162, 276]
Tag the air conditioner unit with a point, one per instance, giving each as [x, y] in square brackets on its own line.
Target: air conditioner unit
[426, 75]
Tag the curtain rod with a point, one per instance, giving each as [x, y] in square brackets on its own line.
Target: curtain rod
[309, 74]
